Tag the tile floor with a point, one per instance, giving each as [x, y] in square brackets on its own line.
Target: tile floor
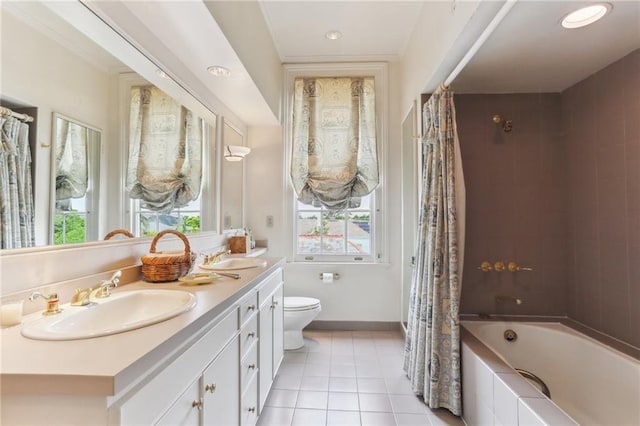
[347, 378]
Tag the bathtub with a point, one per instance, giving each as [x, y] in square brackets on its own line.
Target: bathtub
[589, 382]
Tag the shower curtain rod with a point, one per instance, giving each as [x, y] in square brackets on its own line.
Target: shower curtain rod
[6, 112]
[506, 7]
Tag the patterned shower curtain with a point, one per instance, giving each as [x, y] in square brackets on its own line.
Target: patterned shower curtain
[432, 346]
[16, 191]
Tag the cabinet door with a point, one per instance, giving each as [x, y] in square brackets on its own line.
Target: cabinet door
[266, 349]
[186, 410]
[278, 329]
[221, 387]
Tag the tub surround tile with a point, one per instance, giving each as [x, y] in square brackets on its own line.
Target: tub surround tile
[507, 389]
[541, 411]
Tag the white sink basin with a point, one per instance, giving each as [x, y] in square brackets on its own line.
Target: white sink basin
[122, 311]
[235, 263]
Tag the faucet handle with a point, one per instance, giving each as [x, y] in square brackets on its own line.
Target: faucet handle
[53, 307]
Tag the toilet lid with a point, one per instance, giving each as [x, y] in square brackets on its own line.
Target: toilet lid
[300, 303]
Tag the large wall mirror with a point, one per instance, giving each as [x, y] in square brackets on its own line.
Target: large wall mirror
[232, 200]
[59, 57]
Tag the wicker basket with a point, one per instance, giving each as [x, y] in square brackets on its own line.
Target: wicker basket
[119, 232]
[163, 267]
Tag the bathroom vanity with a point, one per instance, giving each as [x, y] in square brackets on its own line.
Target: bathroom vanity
[213, 364]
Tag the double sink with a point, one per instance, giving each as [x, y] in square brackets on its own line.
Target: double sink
[121, 311]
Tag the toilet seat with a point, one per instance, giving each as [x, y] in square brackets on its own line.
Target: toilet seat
[295, 304]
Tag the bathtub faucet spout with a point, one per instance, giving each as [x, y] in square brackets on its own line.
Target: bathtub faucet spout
[508, 299]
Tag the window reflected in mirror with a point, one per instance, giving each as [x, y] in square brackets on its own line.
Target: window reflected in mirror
[165, 167]
[76, 181]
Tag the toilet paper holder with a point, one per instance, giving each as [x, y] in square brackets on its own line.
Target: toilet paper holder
[335, 275]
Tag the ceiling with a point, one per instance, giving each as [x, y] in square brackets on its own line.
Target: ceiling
[371, 30]
[530, 51]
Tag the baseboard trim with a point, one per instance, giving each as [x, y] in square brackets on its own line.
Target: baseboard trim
[355, 326]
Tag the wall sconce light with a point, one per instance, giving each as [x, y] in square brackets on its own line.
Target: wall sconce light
[235, 152]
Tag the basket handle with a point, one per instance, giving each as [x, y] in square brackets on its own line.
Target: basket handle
[187, 246]
[119, 231]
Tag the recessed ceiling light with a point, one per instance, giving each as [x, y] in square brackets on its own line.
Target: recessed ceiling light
[585, 15]
[333, 34]
[219, 71]
[162, 73]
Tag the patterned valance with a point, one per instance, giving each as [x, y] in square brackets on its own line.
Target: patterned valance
[71, 160]
[334, 158]
[165, 151]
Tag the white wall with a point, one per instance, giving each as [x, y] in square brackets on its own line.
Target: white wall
[244, 26]
[368, 292]
[438, 28]
[39, 72]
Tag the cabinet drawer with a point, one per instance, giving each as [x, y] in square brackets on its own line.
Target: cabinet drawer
[249, 404]
[249, 366]
[270, 284]
[248, 307]
[248, 335]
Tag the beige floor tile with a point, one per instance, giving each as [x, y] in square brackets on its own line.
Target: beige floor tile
[343, 401]
[282, 398]
[343, 418]
[377, 419]
[375, 402]
[276, 416]
[371, 385]
[312, 399]
[343, 384]
[314, 383]
[307, 417]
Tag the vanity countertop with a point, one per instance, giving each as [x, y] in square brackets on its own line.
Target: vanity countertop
[109, 365]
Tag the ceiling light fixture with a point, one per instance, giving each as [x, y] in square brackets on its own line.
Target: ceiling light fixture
[219, 71]
[585, 15]
[333, 34]
[161, 73]
[235, 152]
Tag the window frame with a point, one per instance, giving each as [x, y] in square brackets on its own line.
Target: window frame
[378, 228]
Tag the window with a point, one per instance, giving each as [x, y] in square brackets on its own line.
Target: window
[353, 232]
[184, 219]
[341, 235]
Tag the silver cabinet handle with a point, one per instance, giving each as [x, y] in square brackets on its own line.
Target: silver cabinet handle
[251, 308]
[197, 404]
[252, 409]
[251, 366]
[251, 334]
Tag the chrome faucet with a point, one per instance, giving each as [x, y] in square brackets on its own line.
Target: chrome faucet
[216, 257]
[505, 299]
[82, 297]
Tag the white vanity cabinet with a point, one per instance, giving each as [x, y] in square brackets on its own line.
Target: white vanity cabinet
[271, 319]
[215, 370]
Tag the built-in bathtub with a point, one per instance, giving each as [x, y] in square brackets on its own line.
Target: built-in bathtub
[589, 382]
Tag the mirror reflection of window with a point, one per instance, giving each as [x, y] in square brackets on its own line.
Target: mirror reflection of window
[77, 174]
[164, 175]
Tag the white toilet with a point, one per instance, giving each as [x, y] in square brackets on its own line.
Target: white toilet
[298, 313]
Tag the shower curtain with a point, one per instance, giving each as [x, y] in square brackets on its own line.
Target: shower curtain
[16, 191]
[432, 346]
